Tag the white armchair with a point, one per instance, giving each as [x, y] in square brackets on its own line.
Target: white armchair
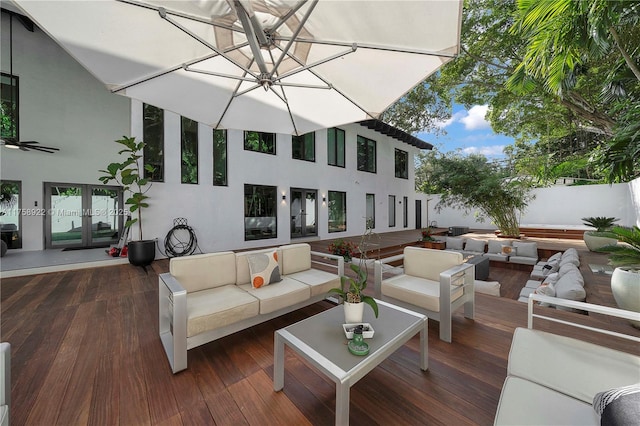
[434, 282]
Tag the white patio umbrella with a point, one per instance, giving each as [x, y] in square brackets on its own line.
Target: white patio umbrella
[265, 65]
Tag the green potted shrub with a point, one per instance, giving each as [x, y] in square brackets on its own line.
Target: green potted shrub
[625, 281]
[596, 239]
[352, 293]
[130, 175]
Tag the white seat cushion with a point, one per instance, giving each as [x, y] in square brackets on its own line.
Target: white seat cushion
[417, 291]
[279, 295]
[218, 307]
[498, 257]
[319, 281]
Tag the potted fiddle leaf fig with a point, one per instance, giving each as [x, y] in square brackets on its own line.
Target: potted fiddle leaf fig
[130, 175]
[596, 239]
[625, 281]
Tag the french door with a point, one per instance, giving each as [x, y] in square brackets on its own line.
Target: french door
[80, 215]
[304, 212]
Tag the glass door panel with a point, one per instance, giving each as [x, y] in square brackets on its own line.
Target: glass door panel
[105, 215]
[65, 214]
[303, 213]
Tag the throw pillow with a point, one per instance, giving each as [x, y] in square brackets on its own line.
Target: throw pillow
[507, 250]
[264, 268]
[526, 249]
[556, 256]
[618, 406]
[547, 290]
[552, 278]
[455, 243]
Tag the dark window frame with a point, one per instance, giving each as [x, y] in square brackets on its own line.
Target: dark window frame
[158, 173]
[14, 115]
[224, 181]
[263, 145]
[336, 146]
[392, 212]
[400, 157]
[344, 212]
[185, 162]
[301, 151]
[364, 151]
[373, 218]
[262, 206]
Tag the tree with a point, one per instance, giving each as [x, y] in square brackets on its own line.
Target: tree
[472, 182]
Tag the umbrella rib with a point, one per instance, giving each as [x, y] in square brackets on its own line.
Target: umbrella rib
[243, 16]
[370, 46]
[285, 99]
[218, 74]
[293, 37]
[315, 64]
[164, 16]
[233, 95]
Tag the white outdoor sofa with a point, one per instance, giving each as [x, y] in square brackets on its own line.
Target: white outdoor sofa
[553, 380]
[433, 282]
[209, 296]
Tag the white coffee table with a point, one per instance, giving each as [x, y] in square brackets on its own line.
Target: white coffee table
[320, 340]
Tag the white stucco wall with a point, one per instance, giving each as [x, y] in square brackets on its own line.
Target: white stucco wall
[560, 206]
[63, 106]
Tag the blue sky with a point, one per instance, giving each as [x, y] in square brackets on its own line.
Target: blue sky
[469, 131]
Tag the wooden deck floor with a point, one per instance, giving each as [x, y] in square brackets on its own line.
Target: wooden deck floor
[86, 350]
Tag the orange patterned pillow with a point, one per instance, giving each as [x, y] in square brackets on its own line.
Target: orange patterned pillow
[264, 268]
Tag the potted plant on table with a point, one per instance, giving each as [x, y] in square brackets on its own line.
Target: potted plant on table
[352, 293]
[625, 281]
[596, 239]
[130, 175]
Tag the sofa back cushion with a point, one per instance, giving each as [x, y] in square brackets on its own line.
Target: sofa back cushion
[428, 263]
[523, 249]
[204, 271]
[243, 272]
[455, 243]
[475, 245]
[495, 246]
[295, 258]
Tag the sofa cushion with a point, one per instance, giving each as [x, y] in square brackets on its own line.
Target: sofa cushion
[491, 288]
[557, 256]
[417, 291]
[319, 281]
[577, 368]
[428, 264]
[567, 267]
[570, 286]
[618, 406]
[523, 402]
[498, 257]
[279, 295]
[523, 249]
[218, 307]
[474, 245]
[295, 258]
[495, 246]
[204, 271]
[573, 259]
[455, 243]
[264, 268]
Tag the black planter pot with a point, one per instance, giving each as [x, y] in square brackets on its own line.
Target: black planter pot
[141, 253]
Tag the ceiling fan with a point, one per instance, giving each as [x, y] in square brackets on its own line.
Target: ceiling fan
[12, 142]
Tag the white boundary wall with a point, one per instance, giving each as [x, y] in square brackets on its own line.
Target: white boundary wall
[559, 207]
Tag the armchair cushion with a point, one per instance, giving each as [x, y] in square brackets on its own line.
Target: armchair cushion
[417, 291]
[427, 264]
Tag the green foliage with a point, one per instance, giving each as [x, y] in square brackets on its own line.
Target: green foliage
[351, 289]
[601, 223]
[129, 174]
[471, 182]
[627, 254]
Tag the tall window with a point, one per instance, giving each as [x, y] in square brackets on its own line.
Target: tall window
[392, 211]
[189, 150]
[402, 164]
[371, 211]
[220, 158]
[304, 147]
[335, 147]
[153, 137]
[337, 211]
[366, 155]
[9, 106]
[405, 212]
[260, 207]
[260, 142]
[10, 209]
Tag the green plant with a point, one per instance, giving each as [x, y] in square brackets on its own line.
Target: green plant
[343, 248]
[601, 223]
[351, 289]
[129, 174]
[624, 254]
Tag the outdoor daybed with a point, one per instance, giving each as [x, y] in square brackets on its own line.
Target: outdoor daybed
[209, 296]
[553, 379]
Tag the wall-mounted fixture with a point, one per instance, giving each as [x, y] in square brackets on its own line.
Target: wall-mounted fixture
[324, 199]
[284, 197]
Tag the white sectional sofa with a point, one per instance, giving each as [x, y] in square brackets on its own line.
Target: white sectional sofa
[554, 380]
[209, 296]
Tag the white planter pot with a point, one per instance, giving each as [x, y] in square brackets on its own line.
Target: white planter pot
[353, 312]
[594, 242]
[625, 286]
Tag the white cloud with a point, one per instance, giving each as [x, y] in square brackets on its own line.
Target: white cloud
[458, 116]
[487, 151]
[474, 118]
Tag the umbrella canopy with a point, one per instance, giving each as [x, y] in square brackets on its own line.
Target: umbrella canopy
[264, 65]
